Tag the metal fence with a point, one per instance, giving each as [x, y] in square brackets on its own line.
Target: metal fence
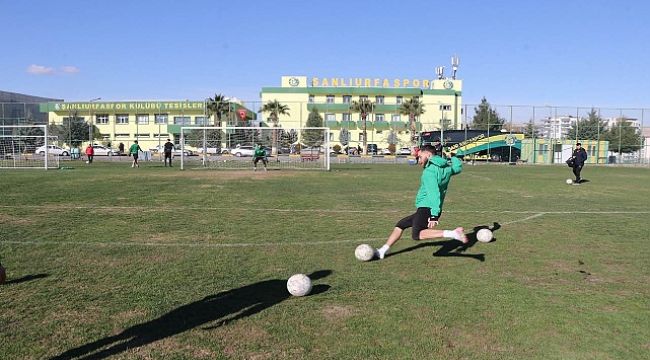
[615, 135]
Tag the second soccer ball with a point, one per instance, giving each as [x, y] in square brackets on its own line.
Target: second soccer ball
[364, 252]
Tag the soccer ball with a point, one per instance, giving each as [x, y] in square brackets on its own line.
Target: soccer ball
[484, 235]
[87, 162]
[569, 181]
[364, 252]
[299, 285]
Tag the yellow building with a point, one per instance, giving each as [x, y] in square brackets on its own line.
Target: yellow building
[332, 98]
[149, 122]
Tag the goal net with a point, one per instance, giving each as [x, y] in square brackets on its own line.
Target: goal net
[233, 147]
[27, 147]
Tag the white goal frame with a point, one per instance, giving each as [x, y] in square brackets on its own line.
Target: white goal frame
[295, 159]
[18, 160]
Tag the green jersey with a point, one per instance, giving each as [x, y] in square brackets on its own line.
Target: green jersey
[434, 181]
[134, 149]
[260, 152]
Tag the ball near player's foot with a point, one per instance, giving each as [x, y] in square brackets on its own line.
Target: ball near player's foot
[484, 235]
[299, 285]
[364, 252]
[569, 181]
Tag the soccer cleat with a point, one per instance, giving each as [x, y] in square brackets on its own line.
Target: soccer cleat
[380, 254]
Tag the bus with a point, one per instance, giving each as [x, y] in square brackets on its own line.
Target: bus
[478, 144]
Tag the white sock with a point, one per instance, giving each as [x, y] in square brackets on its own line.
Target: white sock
[450, 234]
[382, 251]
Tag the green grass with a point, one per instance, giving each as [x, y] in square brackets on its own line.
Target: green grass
[161, 263]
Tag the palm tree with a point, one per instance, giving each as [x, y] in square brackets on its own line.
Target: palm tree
[218, 106]
[275, 109]
[412, 107]
[364, 107]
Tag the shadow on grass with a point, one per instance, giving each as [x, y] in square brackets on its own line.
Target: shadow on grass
[454, 248]
[221, 308]
[25, 279]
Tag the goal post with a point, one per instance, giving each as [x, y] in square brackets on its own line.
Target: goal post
[27, 147]
[230, 147]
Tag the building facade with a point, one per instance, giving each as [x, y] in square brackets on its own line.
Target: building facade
[149, 122]
[387, 124]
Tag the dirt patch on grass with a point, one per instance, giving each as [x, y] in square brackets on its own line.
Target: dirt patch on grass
[14, 220]
[338, 312]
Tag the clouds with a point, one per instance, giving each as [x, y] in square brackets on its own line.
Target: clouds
[34, 69]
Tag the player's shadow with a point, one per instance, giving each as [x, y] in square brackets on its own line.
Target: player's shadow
[26, 278]
[454, 248]
[212, 311]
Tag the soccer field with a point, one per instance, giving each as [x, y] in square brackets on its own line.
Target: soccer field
[106, 261]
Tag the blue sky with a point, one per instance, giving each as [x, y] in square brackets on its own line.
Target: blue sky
[578, 53]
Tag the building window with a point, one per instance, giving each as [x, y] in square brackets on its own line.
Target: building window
[122, 135]
[330, 99]
[181, 120]
[200, 120]
[399, 100]
[311, 99]
[445, 107]
[330, 117]
[122, 119]
[161, 135]
[331, 136]
[143, 136]
[379, 117]
[347, 117]
[142, 119]
[161, 118]
[347, 99]
[379, 99]
[361, 137]
[101, 119]
[363, 97]
[395, 117]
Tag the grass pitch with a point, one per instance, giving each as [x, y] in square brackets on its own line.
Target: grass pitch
[109, 261]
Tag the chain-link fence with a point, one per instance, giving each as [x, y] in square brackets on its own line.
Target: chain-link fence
[548, 133]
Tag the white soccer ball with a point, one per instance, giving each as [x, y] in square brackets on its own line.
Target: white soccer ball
[364, 252]
[299, 285]
[484, 235]
[569, 181]
[87, 161]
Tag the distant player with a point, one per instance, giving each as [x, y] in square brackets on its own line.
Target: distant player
[134, 150]
[579, 157]
[168, 148]
[438, 170]
[260, 154]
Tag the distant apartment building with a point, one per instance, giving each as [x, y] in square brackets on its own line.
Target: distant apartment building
[557, 127]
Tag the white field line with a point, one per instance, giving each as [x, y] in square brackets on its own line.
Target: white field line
[524, 219]
[187, 245]
[344, 211]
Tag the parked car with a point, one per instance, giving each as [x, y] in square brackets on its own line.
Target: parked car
[403, 151]
[247, 150]
[101, 150]
[384, 152]
[176, 152]
[53, 150]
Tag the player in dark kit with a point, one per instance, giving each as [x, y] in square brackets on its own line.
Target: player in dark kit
[168, 148]
[579, 157]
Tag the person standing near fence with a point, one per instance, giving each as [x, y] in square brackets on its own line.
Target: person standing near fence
[134, 150]
[168, 148]
[579, 157]
[260, 154]
[90, 153]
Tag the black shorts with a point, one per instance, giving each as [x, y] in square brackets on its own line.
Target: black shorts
[135, 156]
[258, 158]
[418, 221]
[168, 155]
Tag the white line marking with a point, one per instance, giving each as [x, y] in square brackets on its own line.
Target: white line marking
[346, 211]
[524, 219]
[188, 245]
